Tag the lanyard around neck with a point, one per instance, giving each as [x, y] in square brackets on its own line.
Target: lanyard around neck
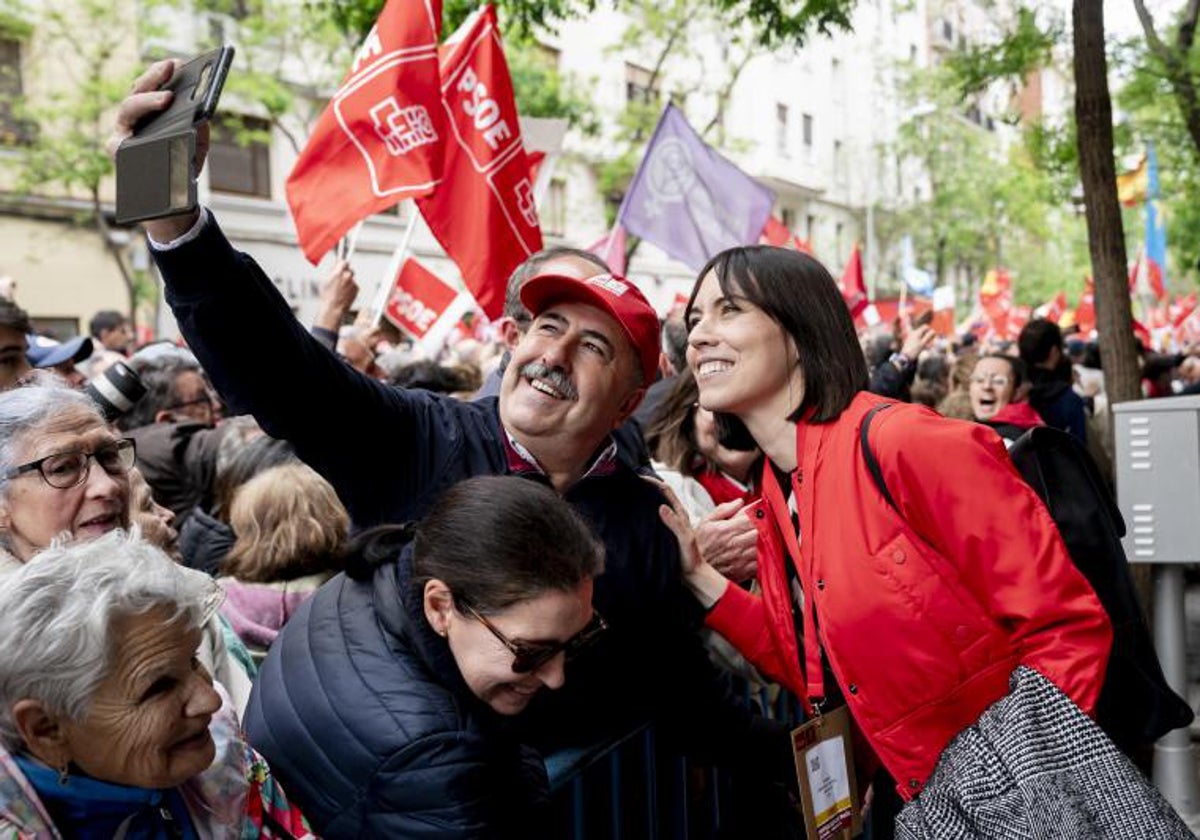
[814, 675]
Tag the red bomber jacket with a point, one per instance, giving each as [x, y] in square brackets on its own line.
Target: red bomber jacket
[922, 617]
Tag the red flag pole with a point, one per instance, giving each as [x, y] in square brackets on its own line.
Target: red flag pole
[389, 276]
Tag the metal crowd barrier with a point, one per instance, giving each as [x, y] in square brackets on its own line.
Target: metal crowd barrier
[636, 787]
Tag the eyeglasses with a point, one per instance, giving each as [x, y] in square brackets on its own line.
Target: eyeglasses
[64, 470]
[207, 400]
[529, 656]
[997, 380]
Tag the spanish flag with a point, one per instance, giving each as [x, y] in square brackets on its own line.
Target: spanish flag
[1132, 185]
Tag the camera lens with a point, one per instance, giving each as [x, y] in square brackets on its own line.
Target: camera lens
[116, 390]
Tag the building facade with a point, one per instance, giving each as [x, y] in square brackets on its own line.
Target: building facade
[816, 124]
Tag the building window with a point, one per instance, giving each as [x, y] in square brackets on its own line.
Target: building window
[638, 88]
[13, 130]
[839, 232]
[837, 161]
[548, 56]
[810, 228]
[781, 129]
[947, 32]
[239, 157]
[554, 215]
[806, 130]
[788, 216]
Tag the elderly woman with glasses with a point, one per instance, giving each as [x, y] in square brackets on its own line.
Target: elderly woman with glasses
[109, 724]
[64, 475]
[63, 471]
[385, 704]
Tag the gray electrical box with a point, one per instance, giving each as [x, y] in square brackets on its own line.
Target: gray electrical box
[1158, 478]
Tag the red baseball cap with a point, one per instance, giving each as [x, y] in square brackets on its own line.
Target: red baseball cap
[615, 295]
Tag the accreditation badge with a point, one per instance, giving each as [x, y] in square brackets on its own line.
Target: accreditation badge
[825, 771]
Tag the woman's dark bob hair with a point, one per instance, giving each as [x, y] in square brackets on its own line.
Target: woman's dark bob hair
[798, 293]
[493, 540]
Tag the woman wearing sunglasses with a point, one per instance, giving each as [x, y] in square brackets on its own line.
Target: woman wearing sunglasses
[385, 702]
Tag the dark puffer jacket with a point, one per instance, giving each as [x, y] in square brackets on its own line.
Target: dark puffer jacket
[373, 732]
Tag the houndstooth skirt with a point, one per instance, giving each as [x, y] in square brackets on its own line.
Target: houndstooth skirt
[1033, 768]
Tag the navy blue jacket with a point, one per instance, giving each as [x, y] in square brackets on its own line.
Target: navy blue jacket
[382, 737]
[390, 452]
[1056, 401]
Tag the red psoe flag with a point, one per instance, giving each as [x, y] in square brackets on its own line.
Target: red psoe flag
[418, 298]
[483, 212]
[380, 139]
[854, 290]
[1085, 312]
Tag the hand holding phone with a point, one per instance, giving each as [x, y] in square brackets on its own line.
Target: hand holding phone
[160, 148]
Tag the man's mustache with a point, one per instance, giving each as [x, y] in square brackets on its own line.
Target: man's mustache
[554, 376]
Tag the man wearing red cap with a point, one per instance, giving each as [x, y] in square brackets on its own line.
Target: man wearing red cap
[576, 375]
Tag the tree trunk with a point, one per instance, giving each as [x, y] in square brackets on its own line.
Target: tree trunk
[1106, 234]
[114, 251]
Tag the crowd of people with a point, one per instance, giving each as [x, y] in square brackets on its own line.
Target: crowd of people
[366, 594]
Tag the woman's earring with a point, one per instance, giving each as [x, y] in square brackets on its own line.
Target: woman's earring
[64, 775]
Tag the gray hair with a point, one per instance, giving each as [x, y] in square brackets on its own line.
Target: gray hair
[57, 614]
[25, 410]
[159, 367]
[513, 308]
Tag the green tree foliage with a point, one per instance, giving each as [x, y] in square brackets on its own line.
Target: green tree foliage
[59, 134]
[984, 206]
[542, 91]
[288, 64]
[774, 22]
[1152, 114]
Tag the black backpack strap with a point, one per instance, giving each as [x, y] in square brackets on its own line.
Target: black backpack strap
[869, 456]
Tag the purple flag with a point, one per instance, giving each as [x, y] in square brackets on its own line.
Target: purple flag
[689, 200]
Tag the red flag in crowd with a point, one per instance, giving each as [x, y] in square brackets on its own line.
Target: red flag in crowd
[1018, 317]
[1053, 310]
[1142, 332]
[418, 298]
[776, 233]
[380, 138]
[853, 288]
[1183, 309]
[1085, 312]
[995, 299]
[483, 212]
[612, 248]
[943, 310]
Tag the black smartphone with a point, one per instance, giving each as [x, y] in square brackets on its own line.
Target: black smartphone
[155, 165]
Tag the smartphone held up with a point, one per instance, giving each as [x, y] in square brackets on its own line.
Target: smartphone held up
[156, 165]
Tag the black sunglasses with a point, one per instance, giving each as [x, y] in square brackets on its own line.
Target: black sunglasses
[529, 656]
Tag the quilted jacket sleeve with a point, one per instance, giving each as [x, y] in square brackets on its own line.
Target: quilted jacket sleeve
[448, 786]
[957, 488]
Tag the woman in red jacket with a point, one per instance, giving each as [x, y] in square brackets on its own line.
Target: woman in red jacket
[913, 616]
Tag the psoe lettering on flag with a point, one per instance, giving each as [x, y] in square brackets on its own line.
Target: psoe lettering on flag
[483, 213]
[380, 139]
[424, 305]
[418, 298]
